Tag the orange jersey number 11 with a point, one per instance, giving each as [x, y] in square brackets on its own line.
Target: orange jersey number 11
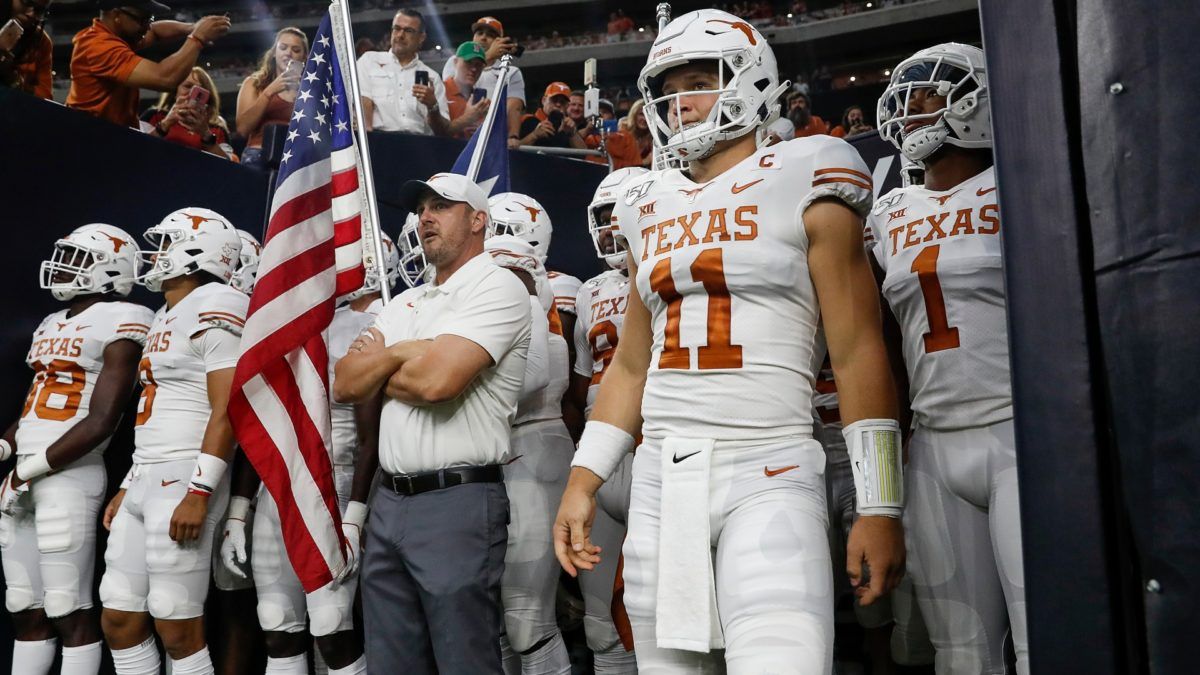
[941, 335]
[709, 271]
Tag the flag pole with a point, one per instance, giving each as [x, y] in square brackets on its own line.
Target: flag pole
[662, 14]
[489, 119]
[339, 12]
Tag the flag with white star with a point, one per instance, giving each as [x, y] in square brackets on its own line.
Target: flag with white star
[312, 255]
[490, 139]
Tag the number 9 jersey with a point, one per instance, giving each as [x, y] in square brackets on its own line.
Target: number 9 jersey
[722, 267]
[944, 279]
[67, 355]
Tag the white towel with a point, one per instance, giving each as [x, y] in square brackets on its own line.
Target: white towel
[686, 610]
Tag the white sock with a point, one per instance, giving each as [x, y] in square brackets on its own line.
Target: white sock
[199, 663]
[288, 665]
[549, 659]
[83, 660]
[140, 660]
[359, 667]
[509, 659]
[34, 656]
[614, 661]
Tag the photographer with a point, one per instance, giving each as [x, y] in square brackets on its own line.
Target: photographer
[550, 127]
[399, 92]
[191, 116]
[26, 52]
[468, 103]
[105, 71]
[488, 33]
[853, 122]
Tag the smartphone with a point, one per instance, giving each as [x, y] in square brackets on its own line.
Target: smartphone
[519, 51]
[199, 96]
[477, 94]
[610, 126]
[422, 78]
[10, 34]
[555, 118]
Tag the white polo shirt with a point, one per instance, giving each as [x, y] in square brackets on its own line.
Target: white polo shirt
[490, 307]
[389, 85]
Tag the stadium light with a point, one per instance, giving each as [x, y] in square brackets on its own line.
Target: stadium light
[642, 29]
[887, 72]
[852, 78]
[789, 15]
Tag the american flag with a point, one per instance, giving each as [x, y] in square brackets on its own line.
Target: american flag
[312, 254]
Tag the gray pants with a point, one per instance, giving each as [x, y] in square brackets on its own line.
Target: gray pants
[431, 580]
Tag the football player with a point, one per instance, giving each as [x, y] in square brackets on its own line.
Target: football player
[938, 245]
[163, 520]
[601, 307]
[84, 360]
[541, 448]
[286, 613]
[735, 259]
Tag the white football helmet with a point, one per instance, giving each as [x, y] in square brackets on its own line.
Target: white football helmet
[187, 241]
[93, 259]
[247, 269]
[391, 263]
[523, 217]
[413, 268]
[955, 71]
[748, 82]
[610, 249]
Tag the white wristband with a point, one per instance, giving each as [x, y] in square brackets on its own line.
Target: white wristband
[874, 448]
[128, 479]
[356, 514]
[239, 508]
[601, 448]
[6, 450]
[207, 474]
[32, 466]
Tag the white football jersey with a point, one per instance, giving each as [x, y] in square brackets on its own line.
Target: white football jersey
[722, 267]
[565, 287]
[66, 356]
[173, 410]
[345, 328]
[601, 305]
[945, 283]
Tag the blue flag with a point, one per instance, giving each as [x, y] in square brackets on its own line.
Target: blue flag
[493, 169]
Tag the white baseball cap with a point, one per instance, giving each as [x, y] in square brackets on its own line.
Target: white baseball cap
[453, 186]
[783, 128]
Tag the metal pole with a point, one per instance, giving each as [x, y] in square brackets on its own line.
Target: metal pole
[340, 14]
[482, 135]
[663, 14]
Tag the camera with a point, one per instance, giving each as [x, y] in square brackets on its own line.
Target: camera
[555, 118]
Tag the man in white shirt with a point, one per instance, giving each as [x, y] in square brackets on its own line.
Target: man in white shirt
[399, 92]
[450, 358]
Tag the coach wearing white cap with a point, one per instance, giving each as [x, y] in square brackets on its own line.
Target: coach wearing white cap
[449, 357]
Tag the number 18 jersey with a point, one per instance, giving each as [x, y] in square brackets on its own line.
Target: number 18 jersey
[944, 280]
[723, 268]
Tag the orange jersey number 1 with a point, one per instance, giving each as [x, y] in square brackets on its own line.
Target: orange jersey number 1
[941, 335]
[709, 271]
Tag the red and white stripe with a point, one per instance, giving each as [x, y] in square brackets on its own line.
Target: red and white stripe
[280, 400]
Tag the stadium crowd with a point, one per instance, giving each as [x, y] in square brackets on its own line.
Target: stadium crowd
[491, 316]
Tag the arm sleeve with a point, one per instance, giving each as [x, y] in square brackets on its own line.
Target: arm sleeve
[838, 171]
[132, 324]
[450, 69]
[218, 348]
[496, 317]
[364, 82]
[583, 346]
[112, 60]
[537, 361]
[516, 85]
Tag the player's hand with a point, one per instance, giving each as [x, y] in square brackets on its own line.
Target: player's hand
[875, 557]
[233, 546]
[10, 493]
[188, 519]
[211, 28]
[110, 511]
[573, 525]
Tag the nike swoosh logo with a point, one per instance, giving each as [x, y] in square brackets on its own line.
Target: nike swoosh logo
[513, 460]
[738, 188]
[677, 459]
[783, 469]
[79, 328]
[982, 191]
[165, 483]
[171, 319]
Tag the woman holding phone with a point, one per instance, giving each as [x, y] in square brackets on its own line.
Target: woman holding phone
[191, 116]
[268, 96]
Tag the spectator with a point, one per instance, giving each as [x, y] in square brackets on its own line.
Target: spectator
[460, 90]
[180, 119]
[363, 45]
[25, 50]
[614, 28]
[550, 127]
[399, 92]
[800, 114]
[853, 122]
[488, 32]
[105, 71]
[575, 111]
[781, 130]
[632, 145]
[268, 95]
[624, 24]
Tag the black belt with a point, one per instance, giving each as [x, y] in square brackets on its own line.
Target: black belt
[415, 483]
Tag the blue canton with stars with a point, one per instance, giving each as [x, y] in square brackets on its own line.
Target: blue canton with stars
[321, 118]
